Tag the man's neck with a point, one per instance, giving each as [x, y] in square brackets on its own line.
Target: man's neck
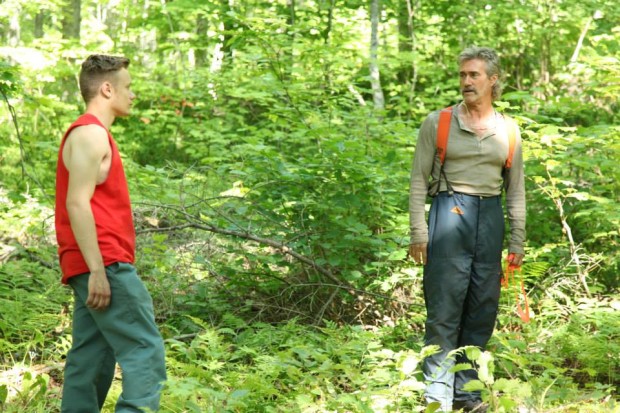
[477, 110]
[103, 114]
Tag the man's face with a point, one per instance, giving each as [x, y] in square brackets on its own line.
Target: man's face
[476, 86]
[122, 96]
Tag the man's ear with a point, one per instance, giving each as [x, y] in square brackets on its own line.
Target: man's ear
[106, 89]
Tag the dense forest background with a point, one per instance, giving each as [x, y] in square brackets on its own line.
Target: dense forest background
[268, 156]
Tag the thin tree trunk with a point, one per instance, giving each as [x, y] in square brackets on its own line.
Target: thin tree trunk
[202, 29]
[330, 22]
[224, 46]
[72, 19]
[545, 61]
[14, 29]
[38, 25]
[414, 71]
[375, 79]
[287, 65]
[291, 16]
[575, 56]
[326, 40]
[405, 45]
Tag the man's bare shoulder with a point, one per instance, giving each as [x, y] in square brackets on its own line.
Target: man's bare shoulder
[89, 138]
[86, 144]
[86, 132]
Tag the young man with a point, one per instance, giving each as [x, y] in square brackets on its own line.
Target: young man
[113, 319]
[462, 244]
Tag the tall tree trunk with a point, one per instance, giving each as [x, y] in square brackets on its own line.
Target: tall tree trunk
[326, 40]
[72, 19]
[224, 46]
[330, 22]
[288, 62]
[111, 16]
[582, 36]
[38, 25]
[545, 60]
[375, 79]
[291, 15]
[202, 30]
[405, 36]
[545, 49]
[14, 34]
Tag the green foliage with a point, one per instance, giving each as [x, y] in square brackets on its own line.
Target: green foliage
[504, 394]
[266, 188]
[291, 367]
[31, 392]
[589, 342]
[29, 289]
[573, 170]
[9, 83]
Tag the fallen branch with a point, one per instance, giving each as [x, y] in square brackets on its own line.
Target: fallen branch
[261, 240]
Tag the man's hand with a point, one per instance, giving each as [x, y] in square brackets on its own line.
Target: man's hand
[515, 260]
[417, 252]
[98, 291]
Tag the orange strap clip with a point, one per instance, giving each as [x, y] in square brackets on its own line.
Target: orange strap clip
[509, 273]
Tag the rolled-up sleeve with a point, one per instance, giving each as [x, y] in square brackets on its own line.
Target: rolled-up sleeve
[423, 161]
[514, 182]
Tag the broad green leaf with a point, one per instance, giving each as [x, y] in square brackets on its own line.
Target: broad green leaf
[460, 367]
[474, 385]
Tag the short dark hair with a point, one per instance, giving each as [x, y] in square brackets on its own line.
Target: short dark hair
[490, 57]
[97, 68]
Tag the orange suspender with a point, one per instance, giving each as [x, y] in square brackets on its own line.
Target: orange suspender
[443, 130]
[512, 137]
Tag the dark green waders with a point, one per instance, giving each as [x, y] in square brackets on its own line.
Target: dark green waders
[461, 287]
[125, 333]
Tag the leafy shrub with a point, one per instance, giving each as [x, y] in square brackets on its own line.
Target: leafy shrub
[266, 368]
[590, 343]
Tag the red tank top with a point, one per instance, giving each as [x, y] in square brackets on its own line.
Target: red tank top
[111, 208]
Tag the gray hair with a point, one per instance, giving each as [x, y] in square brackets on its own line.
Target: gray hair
[489, 56]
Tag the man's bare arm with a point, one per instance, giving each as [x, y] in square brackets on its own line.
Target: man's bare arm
[83, 154]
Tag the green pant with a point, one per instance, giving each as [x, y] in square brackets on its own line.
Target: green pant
[125, 333]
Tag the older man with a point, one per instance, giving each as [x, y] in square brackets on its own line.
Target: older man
[461, 245]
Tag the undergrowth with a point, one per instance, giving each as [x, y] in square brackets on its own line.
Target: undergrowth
[236, 365]
[221, 359]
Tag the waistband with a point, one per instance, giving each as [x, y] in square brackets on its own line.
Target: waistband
[446, 194]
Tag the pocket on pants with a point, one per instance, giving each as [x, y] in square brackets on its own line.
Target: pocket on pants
[129, 296]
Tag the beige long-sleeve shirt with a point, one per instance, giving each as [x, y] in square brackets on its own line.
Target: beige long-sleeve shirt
[473, 166]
